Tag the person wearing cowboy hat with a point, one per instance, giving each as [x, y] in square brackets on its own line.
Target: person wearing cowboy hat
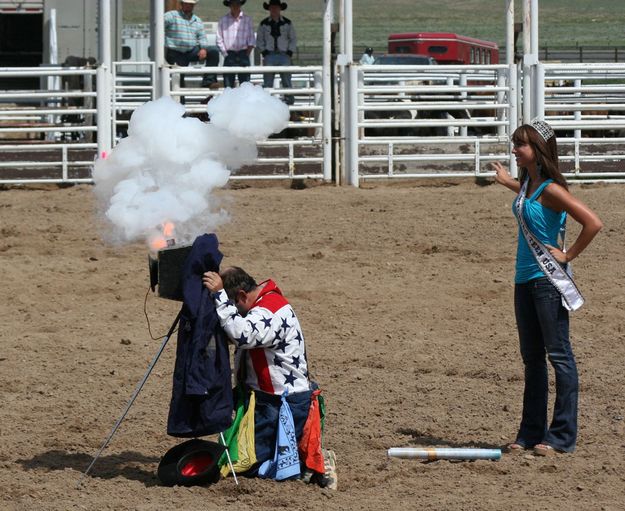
[186, 42]
[277, 42]
[235, 40]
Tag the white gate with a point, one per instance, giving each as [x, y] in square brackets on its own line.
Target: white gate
[585, 103]
[47, 132]
[429, 121]
[452, 121]
[303, 150]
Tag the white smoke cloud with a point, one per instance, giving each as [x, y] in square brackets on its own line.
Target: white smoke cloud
[230, 111]
[168, 166]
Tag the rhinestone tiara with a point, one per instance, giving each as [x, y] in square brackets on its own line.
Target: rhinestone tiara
[543, 129]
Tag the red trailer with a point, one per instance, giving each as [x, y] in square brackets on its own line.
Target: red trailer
[446, 48]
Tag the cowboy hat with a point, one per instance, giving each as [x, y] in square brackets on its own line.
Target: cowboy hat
[191, 463]
[282, 5]
[228, 2]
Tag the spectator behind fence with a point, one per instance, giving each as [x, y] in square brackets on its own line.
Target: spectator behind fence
[235, 39]
[276, 40]
[367, 57]
[185, 41]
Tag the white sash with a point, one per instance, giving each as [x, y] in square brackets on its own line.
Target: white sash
[562, 279]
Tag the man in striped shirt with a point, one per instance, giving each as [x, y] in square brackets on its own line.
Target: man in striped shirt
[235, 40]
[185, 41]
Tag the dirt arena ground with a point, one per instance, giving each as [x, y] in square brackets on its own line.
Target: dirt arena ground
[404, 291]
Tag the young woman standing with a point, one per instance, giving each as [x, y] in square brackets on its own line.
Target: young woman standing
[544, 291]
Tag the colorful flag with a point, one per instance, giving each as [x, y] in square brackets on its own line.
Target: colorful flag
[310, 443]
[285, 463]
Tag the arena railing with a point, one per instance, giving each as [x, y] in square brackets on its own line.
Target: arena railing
[301, 151]
[47, 134]
[585, 104]
[133, 85]
[406, 121]
[415, 121]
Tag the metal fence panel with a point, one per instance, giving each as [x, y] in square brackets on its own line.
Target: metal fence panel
[431, 121]
[403, 121]
[585, 104]
[303, 149]
[48, 134]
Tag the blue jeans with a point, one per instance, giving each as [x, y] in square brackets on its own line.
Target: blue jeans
[236, 59]
[180, 58]
[277, 58]
[266, 417]
[543, 325]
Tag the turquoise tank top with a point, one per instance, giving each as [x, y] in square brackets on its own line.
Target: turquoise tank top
[545, 224]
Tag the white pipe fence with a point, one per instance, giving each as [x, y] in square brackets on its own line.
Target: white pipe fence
[397, 121]
[47, 134]
[309, 128]
[585, 104]
[130, 91]
[412, 118]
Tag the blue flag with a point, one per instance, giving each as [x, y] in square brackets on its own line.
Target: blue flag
[285, 463]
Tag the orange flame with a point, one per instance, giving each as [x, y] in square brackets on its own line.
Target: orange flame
[166, 239]
[168, 229]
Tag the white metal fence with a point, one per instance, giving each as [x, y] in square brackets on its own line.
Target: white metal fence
[585, 103]
[303, 150]
[47, 133]
[130, 91]
[430, 121]
[452, 121]
[399, 121]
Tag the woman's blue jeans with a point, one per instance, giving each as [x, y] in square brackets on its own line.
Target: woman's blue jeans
[543, 325]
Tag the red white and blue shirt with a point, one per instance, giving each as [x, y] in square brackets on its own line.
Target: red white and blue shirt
[269, 341]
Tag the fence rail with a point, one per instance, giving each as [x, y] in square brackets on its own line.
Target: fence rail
[572, 54]
[48, 134]
[401, 121]
[585, 104]
[413, 118]
[308, 129]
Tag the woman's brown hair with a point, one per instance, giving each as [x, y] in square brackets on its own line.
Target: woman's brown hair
[546, 152]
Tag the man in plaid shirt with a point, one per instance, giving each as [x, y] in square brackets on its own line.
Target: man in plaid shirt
[185, 41]
[235, 39]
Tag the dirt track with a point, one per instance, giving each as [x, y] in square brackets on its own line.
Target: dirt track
[404, 292]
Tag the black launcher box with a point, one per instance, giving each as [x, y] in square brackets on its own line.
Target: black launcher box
[166, 271]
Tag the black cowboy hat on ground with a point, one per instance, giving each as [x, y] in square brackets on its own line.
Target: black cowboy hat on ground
[228, 2]
[282, 5]
[191, 463]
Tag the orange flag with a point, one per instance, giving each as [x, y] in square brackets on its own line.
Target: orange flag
[310, 443]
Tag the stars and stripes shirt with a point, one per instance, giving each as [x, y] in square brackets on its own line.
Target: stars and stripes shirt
[269, 341]
[182, 33]
[235, 34]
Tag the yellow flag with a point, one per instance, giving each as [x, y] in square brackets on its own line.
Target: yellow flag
[245, 441]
